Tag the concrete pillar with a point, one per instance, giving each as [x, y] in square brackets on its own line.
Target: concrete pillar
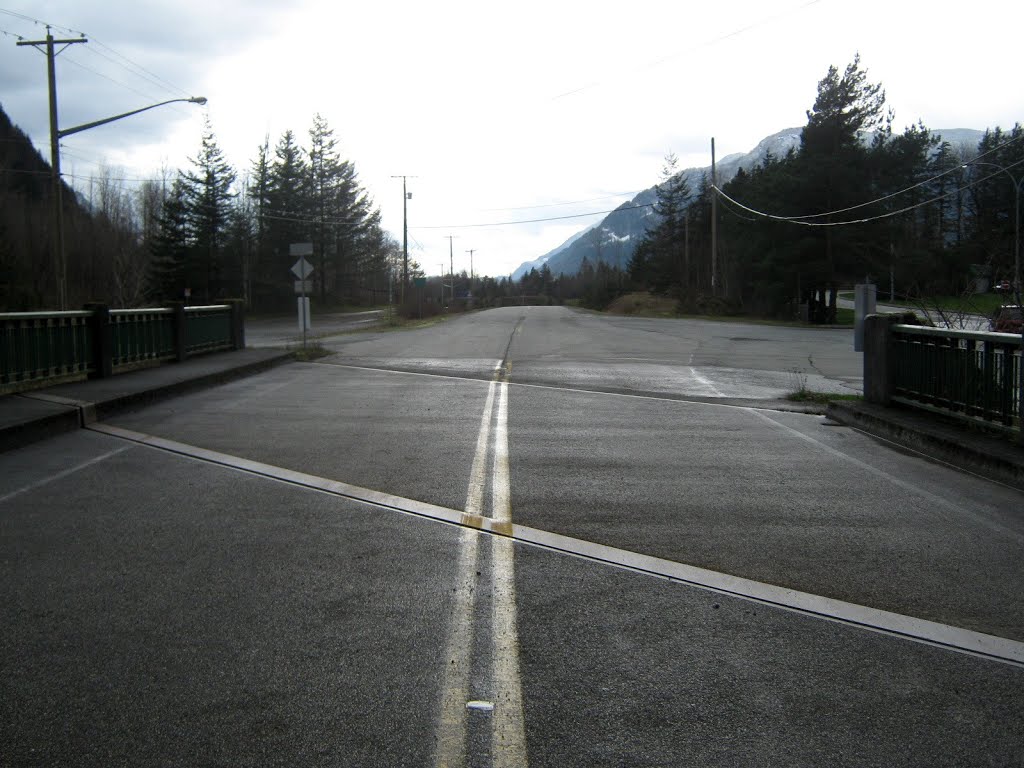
[102, 340]
[180, 331]
[863, 305]
[879, 360]
[237, 323]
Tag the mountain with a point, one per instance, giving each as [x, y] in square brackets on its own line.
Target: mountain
[537, 263]
[614, 239]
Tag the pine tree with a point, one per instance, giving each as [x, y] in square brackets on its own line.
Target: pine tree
[208, 196]
[326, 180]
[833, 158]
[261, 278]
[661, 261]
[170, 247]
[286, 213]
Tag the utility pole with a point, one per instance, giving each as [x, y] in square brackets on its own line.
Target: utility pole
[471, 251]
[406, 196]
[451, 268]
[442, 284]
[57, 196]
[714, 222]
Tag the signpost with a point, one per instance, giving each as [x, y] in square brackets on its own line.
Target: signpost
[302, 269]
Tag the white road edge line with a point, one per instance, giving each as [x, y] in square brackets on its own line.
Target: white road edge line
[934, 499]
[932, 633]
[63, 473]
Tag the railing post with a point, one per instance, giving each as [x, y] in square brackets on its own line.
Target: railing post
[1020, 389]
[102, 340]
[237, 323]
[180, 331]
[879, 360]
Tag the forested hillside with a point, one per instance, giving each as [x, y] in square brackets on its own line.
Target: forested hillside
[209, 230]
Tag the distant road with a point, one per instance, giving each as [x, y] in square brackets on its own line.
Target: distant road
[954, 320]
[563, 347]
[284, 331]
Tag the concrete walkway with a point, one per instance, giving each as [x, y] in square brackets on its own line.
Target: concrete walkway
[30, 416]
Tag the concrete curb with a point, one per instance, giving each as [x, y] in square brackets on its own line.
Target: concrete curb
[991, 456]
[151, 395]
[66, 414]
[34, 429]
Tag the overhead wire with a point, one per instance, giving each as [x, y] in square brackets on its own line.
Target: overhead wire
[535, 221]
[887, 215]
[126, 63]
[902, 191]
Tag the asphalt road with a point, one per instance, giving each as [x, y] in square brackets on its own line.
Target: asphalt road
[200, 601]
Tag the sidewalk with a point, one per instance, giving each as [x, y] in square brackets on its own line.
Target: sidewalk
[997, 457]
[30, 416]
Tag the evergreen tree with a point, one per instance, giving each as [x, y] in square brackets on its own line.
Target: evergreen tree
[261, 284]
[833, 158]
[661, 262]
[326, 180]
[286, 214]
[170, 247]
[208, 196]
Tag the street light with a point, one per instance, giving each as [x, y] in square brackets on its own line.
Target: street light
[55, 171]
[201, 100]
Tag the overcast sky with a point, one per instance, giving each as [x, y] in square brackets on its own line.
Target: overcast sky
[503, 112]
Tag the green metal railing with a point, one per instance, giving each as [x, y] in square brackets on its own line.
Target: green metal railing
[970, 375]
[41, 347]
[36, 346]
[141, 336]
[208, 328]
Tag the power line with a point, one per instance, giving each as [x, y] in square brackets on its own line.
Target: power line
[31, 20]
[146, 74]
[888, 215]
[80, 65]
[568, 202]
[535, 221]
[121, 60]
[956, 168]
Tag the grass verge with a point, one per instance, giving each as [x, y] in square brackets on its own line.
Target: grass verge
[313, 350]
[821, 398]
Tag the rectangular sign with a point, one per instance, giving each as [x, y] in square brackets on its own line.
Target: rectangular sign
[303, 286]
[300, 249]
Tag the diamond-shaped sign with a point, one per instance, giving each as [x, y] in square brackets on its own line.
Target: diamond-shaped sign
[302, 269]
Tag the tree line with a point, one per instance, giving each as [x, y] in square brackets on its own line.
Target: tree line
[203, 233]
[856, 201]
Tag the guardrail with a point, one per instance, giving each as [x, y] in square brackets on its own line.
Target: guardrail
[39, 348]
[969, 375]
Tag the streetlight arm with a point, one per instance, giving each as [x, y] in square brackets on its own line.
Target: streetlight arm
[68, 131]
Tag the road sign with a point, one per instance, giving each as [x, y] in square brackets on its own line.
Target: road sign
[300, 249]
[419, 282]
[303, 286]
[302, 269]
